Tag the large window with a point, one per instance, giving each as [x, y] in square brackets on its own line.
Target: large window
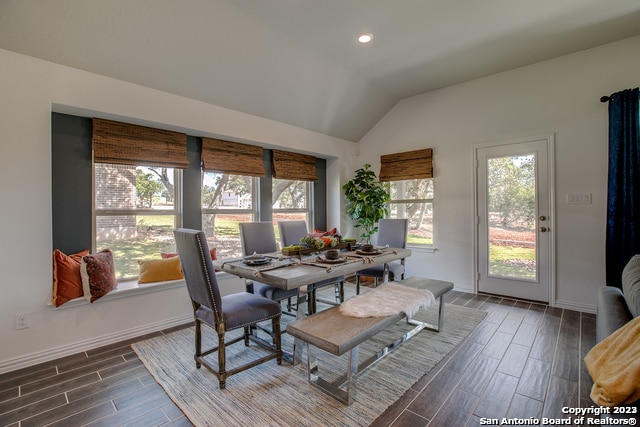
[136, 210]
[291, 201]
[226, 201]
[413, 199]
[98, 202]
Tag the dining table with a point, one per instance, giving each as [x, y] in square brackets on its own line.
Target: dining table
[299, 271]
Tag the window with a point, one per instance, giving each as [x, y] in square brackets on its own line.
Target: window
[136, 210]
[291, 201]
[226, 201]
[96, 203]
[410, 179]
[413, 199]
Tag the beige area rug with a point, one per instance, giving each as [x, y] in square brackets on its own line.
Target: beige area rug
[272, 395]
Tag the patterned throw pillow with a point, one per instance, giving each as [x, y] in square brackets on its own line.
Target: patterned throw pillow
[98, 275]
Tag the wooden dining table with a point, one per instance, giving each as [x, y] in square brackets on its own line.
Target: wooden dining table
[296, 272]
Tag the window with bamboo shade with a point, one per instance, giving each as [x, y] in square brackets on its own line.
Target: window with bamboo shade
[232, 157]
[407, 165]
[127, 144]
[409, 177]
[294, 166]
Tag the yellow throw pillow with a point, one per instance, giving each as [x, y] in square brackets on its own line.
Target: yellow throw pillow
[160, 270]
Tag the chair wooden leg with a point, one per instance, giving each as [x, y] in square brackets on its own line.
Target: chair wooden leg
[198, 343]
[312, 301]
[357, 285]
[222, 361]
[275, 324]
[339, 292]
[246, 336]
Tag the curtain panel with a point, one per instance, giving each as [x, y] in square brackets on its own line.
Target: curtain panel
[623, 185]
[232, 157]
[127, 144]
[408, 165]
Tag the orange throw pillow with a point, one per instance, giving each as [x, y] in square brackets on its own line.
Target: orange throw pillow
[212, 252]
[67, 282]
[159, 270]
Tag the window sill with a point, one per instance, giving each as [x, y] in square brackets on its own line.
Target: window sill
[423, 249]
[124, 290]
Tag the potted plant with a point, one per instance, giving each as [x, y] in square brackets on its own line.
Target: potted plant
[368, 201]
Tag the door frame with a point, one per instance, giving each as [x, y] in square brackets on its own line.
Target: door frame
[550, 138]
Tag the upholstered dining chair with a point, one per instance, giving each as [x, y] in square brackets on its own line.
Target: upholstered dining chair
[290, 234]
[392, 232]
[260, 238]
[221, 313]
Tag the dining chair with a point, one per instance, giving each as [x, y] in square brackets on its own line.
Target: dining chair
[222, 313]
[290, 234]
[392, 232]
[260, 238]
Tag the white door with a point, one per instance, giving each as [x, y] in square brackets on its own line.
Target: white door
[514, 210]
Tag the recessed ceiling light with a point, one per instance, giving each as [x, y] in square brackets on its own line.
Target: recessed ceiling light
[365, 38]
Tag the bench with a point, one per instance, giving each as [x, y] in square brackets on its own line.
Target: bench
[337, 334]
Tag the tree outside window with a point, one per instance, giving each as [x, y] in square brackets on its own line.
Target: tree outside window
[290, 202]
[226, 201]
[135, 213]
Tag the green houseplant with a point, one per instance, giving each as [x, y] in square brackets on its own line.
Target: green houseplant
[368, 201]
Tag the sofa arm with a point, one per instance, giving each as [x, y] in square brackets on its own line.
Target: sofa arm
[612, 312]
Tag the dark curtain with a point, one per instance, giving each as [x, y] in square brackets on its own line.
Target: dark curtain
[623, 191]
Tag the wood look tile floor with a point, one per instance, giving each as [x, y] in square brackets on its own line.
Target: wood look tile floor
[524, 360]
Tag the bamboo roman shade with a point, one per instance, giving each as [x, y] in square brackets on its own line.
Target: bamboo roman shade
[408, 165]
[294, 166]
[127, 144]
[232, 157]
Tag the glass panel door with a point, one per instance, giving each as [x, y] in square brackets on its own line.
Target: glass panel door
[513, 244]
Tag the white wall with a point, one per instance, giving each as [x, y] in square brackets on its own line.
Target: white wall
[560, 96]
[31, 89]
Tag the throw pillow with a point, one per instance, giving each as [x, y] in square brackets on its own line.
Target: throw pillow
[98, 275]
[67, 282]
[212, 252]
[320, 233]
[160, 270]
[631, 285]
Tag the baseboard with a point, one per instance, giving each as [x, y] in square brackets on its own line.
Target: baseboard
[569, 305]
[463, 288]
[80, 346]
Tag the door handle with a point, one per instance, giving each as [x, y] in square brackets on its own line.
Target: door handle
[543, 229]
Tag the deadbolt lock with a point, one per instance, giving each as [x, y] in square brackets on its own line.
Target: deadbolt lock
[543, 218]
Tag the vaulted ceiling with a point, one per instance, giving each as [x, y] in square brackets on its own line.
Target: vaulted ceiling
[297, 61]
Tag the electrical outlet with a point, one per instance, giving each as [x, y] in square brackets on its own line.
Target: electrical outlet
[22, 321]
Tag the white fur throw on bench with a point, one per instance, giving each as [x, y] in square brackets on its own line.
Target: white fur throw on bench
[386, 300]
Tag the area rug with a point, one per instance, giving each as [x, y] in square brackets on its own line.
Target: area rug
[272, 395]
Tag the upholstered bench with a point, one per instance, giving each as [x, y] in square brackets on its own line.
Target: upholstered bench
[337, 334]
